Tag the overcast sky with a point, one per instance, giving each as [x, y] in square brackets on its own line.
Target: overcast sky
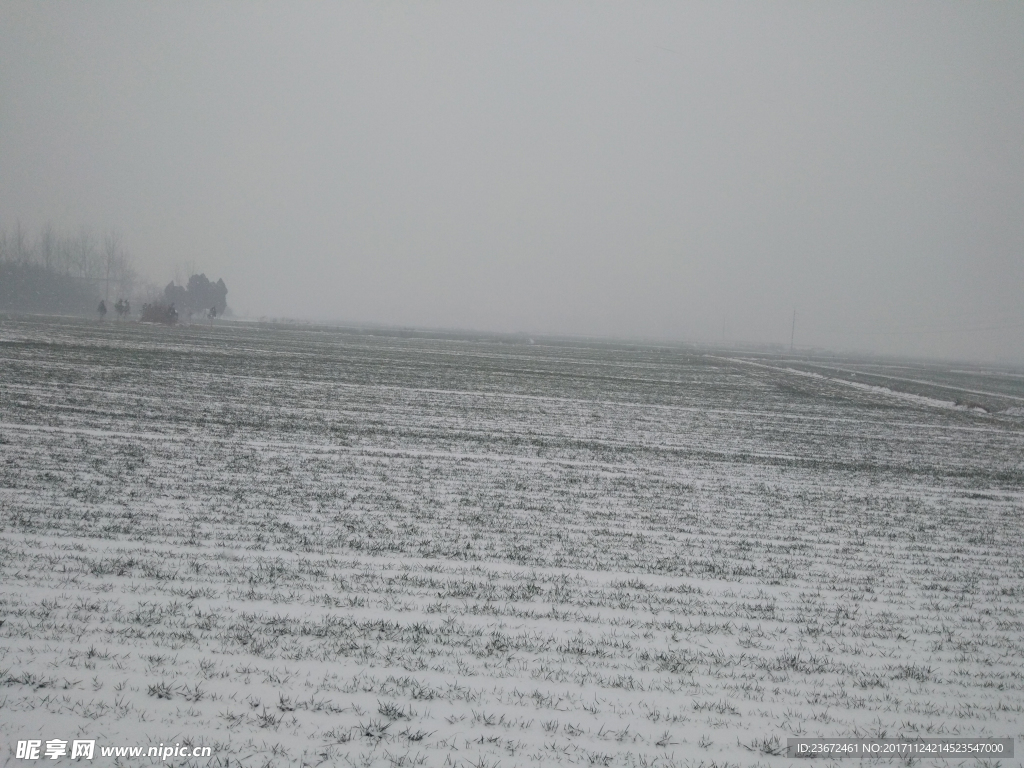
[681, 170]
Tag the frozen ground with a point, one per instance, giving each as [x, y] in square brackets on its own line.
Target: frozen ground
[303, 547]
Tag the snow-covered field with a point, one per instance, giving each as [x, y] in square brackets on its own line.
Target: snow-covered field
[303, 546]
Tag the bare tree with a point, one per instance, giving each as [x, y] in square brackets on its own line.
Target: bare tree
[126, 274]
[111, 259]
[65, 254]
[22, 250]
[48, 245]
[85, 253]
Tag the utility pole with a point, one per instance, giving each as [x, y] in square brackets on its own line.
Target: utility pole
[792, 332]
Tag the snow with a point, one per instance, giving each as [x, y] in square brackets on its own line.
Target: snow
[305, 547]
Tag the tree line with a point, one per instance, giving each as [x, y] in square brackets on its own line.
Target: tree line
[100, 260]
[83, 273]
[63, 272]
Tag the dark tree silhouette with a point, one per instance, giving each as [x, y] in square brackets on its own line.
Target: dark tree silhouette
[198, 295]
[34, 288]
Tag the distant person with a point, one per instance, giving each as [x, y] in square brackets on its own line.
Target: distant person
[212, 314]
[102, 309]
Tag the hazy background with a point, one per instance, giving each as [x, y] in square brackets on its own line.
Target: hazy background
[680, 170]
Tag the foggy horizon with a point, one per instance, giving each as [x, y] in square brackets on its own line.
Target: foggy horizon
[691, 172]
